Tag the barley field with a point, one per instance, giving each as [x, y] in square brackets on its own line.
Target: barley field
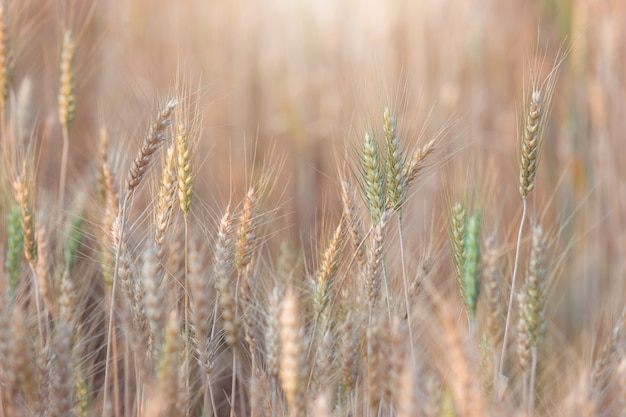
[312, 208]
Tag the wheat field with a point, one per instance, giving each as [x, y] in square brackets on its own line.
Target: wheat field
[312, 208]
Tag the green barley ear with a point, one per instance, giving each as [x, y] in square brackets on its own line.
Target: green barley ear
[373, 182]
[67, 93]
[471, 273]
[394, 164]
[15, 243]
[457, 224]
[73, 242]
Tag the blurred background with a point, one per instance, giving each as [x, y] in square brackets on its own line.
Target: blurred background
[294, 84]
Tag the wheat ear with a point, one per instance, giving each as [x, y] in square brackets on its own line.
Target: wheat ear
[394, 165]
[4, 63]
[373, 181]
[291, 348]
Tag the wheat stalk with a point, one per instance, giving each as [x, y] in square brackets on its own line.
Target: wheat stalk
[67, 103]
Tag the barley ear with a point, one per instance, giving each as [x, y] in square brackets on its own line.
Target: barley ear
[322, 285]
[394, 165]
[373, 182]
[492, 279]
[185, 179]
[291, 349]
[416, 165]
[375, 259]
[15, 245]
[457, 224]
[152, 141]
[535, 286]
[169, 366]
[23, 200]
[470, 285]
[165, 202]
[4, 62]
[67, 93]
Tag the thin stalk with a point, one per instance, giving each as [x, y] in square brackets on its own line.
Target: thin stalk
[406, 289]
[531, 388]
[511, 297]
[233, 387]
[64, 157]
[186, 296]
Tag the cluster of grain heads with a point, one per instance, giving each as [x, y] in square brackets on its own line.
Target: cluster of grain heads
[123, 260]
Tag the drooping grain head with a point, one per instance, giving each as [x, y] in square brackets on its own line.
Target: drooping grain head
[416, 165]
[154, 138]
